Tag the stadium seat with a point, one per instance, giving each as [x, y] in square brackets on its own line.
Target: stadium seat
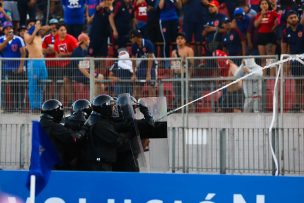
[289, 97]
[205, 105]
[163, 73]
[81, 91]
[269, 94]
[169, 93]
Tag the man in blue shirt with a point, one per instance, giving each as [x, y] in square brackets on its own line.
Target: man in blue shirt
[233, 41]
[168, 22]
[100, 30]
[144, 71]
[90, 12]
[293, 40]
[213, 30]
[5, 15]
[74, 16]
[242, 21]
[12, 46]
[195, 17]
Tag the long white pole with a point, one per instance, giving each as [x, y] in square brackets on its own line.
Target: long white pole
[32, 189]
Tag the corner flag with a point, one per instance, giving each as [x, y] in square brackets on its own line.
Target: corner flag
[43, 157]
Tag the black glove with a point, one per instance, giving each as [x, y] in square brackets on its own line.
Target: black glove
[81, 134]
[143, 109]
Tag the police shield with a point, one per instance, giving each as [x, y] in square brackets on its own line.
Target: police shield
[158, 155]
[126, 109]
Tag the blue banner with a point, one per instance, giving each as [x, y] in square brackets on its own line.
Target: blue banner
[43, 158]
[101, 187]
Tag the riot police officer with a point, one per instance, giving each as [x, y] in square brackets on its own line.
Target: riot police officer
[81, 110]
[63, 138]
[127, 154]
[103, 138]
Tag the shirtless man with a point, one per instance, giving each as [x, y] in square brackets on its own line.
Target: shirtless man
[182, 51]
[36, 68]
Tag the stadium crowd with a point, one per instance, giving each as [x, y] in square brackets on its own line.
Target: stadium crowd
[142, 29]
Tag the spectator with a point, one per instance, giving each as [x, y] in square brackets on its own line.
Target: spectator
[251, 36]
[21, 31]
[230, 6]
[254, 4]
[36, 69]
[81, 69]
[153, 31]
[5, 15]
[121, 21]
[64, 46]
[11, 5]
[48, 50]
[74, 16]
[241, 20]
[195, 17]
[90, 12]
[141, 15]
[178, 67]
[144, 65]
[251, 13]
[252, 85]
[293, 43]
[27, 7]
[122, 70]
[232, 98]
[266, 22]
[168, 22]
[100, 30]
[213, 29]
[234, 44]
[12, 46]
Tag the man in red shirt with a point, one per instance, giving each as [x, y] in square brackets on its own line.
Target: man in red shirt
[64, 46]
[48, 51]
[141, 16]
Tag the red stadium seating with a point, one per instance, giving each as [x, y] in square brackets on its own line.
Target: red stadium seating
[81, 91]
[205, 105]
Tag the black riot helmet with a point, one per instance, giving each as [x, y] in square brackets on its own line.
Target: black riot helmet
[82, 105]
[53, 109]
[103, 104]
[126, 105]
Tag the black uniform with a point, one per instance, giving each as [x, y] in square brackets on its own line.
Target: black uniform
[76, 122]
[128, 152]
[103, 142]
[64, 140]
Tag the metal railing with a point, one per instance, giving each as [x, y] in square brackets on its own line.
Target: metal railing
[15, 145]
[180, 81]
[194, 150]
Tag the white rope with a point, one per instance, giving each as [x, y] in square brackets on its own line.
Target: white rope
[274, 106]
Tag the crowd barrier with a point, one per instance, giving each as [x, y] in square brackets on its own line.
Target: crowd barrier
[231, 149]
[179, 80]
[91, 187]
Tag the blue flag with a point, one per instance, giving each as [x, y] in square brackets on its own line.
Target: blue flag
[43, 157]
